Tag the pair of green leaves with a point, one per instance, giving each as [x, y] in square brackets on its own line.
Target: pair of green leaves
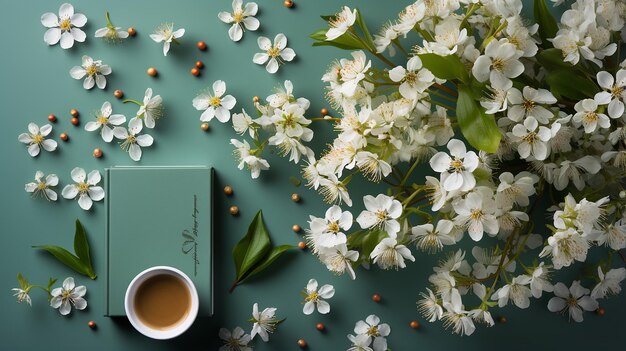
[81, 260]
[254, 252]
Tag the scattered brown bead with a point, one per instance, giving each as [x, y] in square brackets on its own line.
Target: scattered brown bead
[75, 121]
[195, 71]
[152, 72]
[204, 126]
[52, 118]
[295, 197]
[199, 64]
[288, 3]
[64, 136]
[256, 99]
[296, 228]
[324, 111]
[376, 298]
[301, 245]
[302, 343]
[228, 190]
[502, 319]
[118, 94]
[234, 210]
[97, 152]
[600, 311]
[132, 32]
[91, 324]
[320, 327]
[414, 324]
[201, 45]
[74, 112]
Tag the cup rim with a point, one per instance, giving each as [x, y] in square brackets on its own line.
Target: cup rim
[129, 303]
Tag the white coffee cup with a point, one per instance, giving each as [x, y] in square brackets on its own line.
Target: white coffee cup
[173, 330]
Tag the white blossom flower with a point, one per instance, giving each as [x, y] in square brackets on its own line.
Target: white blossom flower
[242, 123]
[456, 173]
[573, 300]
[476, 212]
[328, 230]
[339, 259]
[517, 291]
[609, 283]
[456, 316]
[587, 114]
[36, 139]
[539, 280]
[565, 246]
[275, 55]
[65, 28]
[132, 140]
[85, 188]
[530, 103]
[165, 33]
[215, 105]
[373, 328]
[573, 44]
[340, 23]
[501, 58]
[614, 93]
[241, 18]
[333, 190]
[237, 340]
[22, 296]
[316, 298]
[381, 211]
[351, 72]
[429, 306]
[412, 14]
[415, 79]
[94, 71]
[532, 139]
[573, 171]
[613, 236]
[515, 189]
[448, 36]
[67, 296]
[42, 187]
[500, 93]
[111, 32]
[151, 110]
[431, 239]
[481, 314]
[360, 342]
[264, 322]
[104, 120]
[389, 254]
[247, 159]
[584, 215]
[371, 166]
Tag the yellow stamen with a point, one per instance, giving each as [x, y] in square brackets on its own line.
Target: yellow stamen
[273, 52]
[215, 101]
[65, 24]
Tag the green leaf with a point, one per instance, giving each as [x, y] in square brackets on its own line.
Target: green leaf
[68, 259]
[295, 181]
[22, 281]
[571, 84]
[252, 248]
[445, 67]
[370, 240]
[81, 246]
[267, 261]
[345, 42]
[547, 23]
[368, 37]
[478, 128]
[552, 59]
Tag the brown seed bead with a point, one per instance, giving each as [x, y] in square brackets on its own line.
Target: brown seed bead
[320, 326]
[201, 45]
[302, 343]
[503, 319]
[74, 112]
[288, 3]
[376, 298]
[91, 324]
[600, 311]
[295, 197]
[296, 228]
[255, 99]
[52, 118]
[234, 210]
[97, 152]
[414, 324]
[228, 190]
[152, 72]
[132, 32]
[75, 121]
[118, 94]
[302, 245]
[204, 126]
[324, 111]
[199, 64]
[64, 136]
[195, 71]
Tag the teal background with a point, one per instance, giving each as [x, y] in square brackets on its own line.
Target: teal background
[35, 82]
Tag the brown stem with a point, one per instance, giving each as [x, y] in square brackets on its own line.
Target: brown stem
[232, 288]
[446, 89]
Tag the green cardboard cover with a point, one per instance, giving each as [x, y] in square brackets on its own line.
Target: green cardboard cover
[158, 216]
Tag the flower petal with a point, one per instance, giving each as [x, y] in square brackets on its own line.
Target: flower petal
[69, 191]
[84, 201]
[96, 193]
[235, 32]
[49, 20]
[78, 20]
[52, 36]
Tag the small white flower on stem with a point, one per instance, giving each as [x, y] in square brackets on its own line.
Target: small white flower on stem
[85, 188]
[476, 212]
[456, 173]
[371, 166]
[68, 296]
[242, 123]
[532, 139]
[539, 280]
[216, 105]
[614, 92]
[609, 283]
[431, 239]
[65, 28]
[132, 141]
[104, 120]
[42, 187]
[275, 55]
[333, 190]
[36, 139]
[150, 110]
[587, 114]
[389, 254]
[237, 340]
[264, 322]
[381, 211]
[247, 159]
[415, 79]
[111, 32]
[166, 34]
[501, 58]
[574, 300]
[316, 298]
[456, 316]
[340, 23]
[93, 70]
[373, 328]
[360, 342]
[339, 259]
[517, 291]
[242, 18]
[565, 247]
[329, 228]
[530, 103]
[613, 236]
[429, 306]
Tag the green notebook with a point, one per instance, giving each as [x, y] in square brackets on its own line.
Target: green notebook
[158, 216]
